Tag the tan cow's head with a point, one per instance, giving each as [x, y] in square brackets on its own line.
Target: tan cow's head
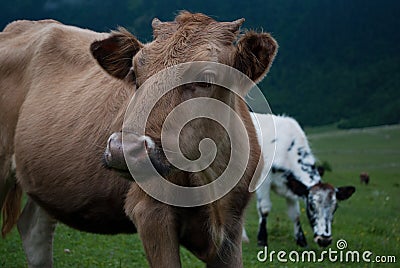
[189, 38]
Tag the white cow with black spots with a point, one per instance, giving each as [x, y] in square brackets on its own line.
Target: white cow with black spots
[293, 175]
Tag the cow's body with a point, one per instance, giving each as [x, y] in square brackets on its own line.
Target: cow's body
[293, 168]
[51, 101]
[58, 126]
[59, 107]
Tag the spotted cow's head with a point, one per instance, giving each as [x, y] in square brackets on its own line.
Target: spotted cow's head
[322, 202]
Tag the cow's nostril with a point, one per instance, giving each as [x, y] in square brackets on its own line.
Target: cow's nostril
[107, 153]
[148, 142]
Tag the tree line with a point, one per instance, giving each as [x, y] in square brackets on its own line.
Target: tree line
[338, 61]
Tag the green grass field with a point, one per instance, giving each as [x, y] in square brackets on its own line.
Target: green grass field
[369, 220]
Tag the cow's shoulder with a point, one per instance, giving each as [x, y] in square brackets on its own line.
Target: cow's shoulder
[52, 40]
[26, 26]
[286, 122]
[65, 42]
[289, 130]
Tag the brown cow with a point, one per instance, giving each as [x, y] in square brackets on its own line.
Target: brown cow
[58, 107]
[364, 178]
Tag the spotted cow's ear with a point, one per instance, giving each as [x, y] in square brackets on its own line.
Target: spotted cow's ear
[297, 187]
[115, 53]
[343, 193]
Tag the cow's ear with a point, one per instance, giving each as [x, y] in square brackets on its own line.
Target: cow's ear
[343, 193]
[115, 53]
[254, 54]
[297, 187]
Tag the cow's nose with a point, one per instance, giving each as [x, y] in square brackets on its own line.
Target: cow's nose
[323, 241]
[136, 148]
[113, 155]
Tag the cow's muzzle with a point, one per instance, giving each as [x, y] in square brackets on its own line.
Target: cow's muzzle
[113, 155]
[138, 148]
[322, 240]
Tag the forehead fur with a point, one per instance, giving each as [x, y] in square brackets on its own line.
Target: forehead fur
[190, 37]
[192, 24]
[322, 186]
[186, 17]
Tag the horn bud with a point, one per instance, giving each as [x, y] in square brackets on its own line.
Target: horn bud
[234, 25]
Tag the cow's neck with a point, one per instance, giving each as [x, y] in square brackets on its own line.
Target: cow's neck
[122, 103]
[225, 211]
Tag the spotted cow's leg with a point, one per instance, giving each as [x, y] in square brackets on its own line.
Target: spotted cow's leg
[36, 228]
[262, 236]
[294, 215]
[263, 207]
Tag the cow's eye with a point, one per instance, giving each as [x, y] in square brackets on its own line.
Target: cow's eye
[207, 77]
[203, 84]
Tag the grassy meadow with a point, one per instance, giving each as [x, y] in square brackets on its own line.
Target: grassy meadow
[369, 220]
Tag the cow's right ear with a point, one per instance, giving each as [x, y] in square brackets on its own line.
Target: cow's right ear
[254, 54]
[115, 53]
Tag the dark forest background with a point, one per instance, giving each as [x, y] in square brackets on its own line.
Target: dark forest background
[338, 62]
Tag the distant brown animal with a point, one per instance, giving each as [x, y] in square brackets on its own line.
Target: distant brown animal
[364, 178]
[64, 90]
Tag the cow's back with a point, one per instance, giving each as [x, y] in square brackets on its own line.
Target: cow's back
[63, 107]
[281, 147]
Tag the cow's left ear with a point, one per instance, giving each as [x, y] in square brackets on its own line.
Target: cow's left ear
[115, 53]
[297, 187]
[254, 54]
[343, 193]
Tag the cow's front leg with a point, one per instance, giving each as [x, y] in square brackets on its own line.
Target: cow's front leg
[36, 229]
[262, 235]
[264, 206]
[229, 253]
[157, 228]
[294, 215]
